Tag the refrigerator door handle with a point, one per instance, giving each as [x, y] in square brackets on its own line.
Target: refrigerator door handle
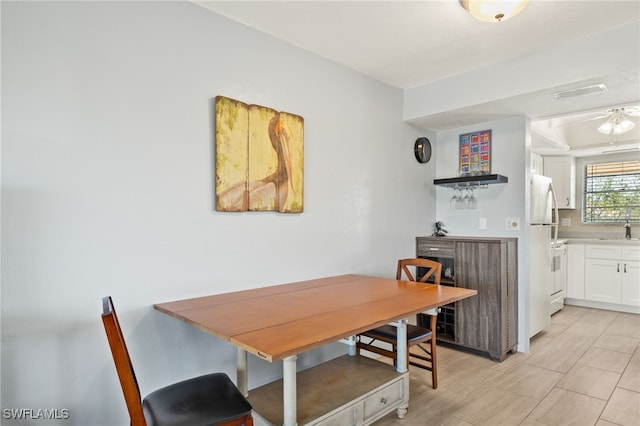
[556, 218]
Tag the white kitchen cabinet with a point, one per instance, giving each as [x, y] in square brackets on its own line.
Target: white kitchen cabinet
[537, 166]
[630, 281]
[562, 171]
[612, 274]
[575, 271]
[603, 280]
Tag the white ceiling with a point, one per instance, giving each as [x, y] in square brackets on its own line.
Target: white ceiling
[410, 43]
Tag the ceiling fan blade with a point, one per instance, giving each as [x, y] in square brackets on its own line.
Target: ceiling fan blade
[633, 112]
[585, 120]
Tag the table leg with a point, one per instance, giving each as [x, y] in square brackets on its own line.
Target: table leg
[290, 390]
[401, 365]
[242, 371]
[351, 345]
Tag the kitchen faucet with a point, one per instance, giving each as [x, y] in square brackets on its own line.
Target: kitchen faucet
[627, 230]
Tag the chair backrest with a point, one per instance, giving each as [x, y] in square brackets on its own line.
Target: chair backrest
[434, 269]
[124, 367]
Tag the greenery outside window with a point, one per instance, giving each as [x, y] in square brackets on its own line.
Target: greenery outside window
[611, 192]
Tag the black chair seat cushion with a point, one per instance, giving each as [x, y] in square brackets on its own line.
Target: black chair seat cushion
[201, 401]
[388, 333]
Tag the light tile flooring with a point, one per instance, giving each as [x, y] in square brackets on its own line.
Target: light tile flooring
[584, 369]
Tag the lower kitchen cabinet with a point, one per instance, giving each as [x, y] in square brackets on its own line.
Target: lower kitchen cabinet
[489, 321]
[612, 274]
[575, 271]
[630, 282]
[603, 280]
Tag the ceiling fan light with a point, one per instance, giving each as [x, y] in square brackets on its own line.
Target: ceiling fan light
[606, 127]
[624, 126]
[617, 124]
[494, 10]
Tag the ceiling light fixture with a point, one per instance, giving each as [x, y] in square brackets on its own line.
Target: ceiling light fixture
[494, 10]
[617, 124]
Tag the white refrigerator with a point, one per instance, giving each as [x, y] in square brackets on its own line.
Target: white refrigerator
[542, 232]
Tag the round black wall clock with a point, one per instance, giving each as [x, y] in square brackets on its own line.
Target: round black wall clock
[422, 150]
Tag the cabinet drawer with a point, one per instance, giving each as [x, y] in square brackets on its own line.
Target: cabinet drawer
[429, 248]
[346, 417]
[597, 251]
[382, 399]
[631, 253]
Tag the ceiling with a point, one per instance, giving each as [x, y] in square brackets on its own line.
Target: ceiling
[411, 43]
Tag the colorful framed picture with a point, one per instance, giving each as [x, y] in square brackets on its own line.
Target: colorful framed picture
[474, 155]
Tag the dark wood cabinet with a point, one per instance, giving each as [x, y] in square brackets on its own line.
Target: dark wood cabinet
[488, 322]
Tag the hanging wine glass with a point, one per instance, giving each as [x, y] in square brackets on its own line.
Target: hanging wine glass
[465, 200]
[455, 200]
[473, 202]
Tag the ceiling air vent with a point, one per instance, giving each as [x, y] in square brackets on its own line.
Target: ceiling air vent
[580, 91]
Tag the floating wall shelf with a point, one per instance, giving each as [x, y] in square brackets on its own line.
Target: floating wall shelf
[471, 181]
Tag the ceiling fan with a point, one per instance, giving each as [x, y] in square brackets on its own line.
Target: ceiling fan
[617, 121]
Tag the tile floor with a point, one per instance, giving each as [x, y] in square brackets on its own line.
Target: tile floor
[584, 369]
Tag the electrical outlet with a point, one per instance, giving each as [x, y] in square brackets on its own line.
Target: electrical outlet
[565, 221]
[482, 223]
[513, 224]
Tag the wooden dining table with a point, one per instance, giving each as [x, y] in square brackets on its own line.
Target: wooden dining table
[281, 321]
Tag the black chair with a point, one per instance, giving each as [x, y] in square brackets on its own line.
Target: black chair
[415, 334]
[206, 400]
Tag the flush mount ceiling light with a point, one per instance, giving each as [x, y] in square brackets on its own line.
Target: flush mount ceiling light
[617, 123]
[494, 10]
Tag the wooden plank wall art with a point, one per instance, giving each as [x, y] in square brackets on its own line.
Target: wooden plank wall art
[259, 158]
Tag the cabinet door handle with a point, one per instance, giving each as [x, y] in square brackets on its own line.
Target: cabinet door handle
[618, 267]
[567, 201]
[625, 268]
[434, 249]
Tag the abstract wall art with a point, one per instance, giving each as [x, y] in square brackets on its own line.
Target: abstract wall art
[475, 153]
[259, 158]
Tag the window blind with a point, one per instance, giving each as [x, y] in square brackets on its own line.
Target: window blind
[612, 192]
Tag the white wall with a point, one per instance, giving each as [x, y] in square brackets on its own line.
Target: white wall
[509, 157]
[107, 189]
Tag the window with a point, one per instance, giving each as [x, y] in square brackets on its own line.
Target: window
[612, 192]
